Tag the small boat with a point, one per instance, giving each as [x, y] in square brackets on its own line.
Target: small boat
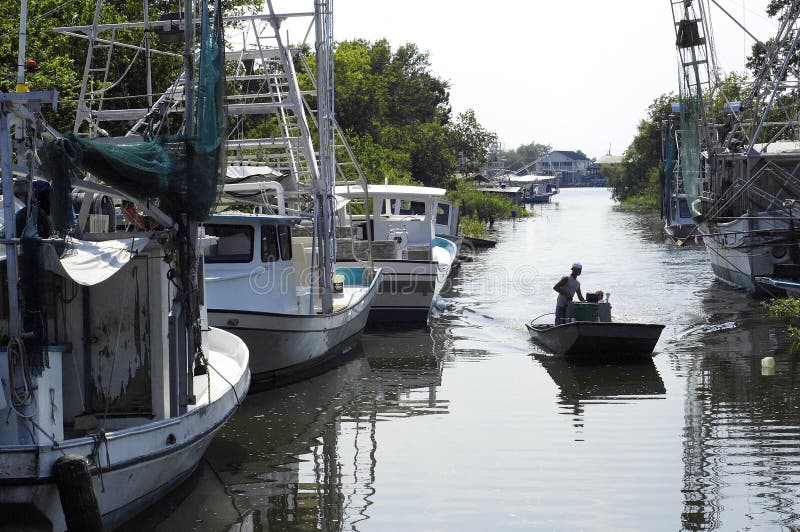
[588, 338]
[477, 243]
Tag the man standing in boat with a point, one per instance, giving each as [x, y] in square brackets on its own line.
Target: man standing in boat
[567, 287]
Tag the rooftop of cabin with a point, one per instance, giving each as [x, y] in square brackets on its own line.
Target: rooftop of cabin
[394, 191]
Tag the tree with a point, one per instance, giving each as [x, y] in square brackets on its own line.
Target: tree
[393, 104]
[641, 161]
[526, 154]
[471, 142]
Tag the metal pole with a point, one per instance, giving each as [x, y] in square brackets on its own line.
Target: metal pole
[188, 62]
[9, 216]
[323, 186]
[23, 42]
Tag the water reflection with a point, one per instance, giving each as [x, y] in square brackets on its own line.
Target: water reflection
[304, 456]
[581, 383]
[741, 435]
[458, 428]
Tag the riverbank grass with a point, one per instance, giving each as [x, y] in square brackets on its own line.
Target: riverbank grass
[787, 307]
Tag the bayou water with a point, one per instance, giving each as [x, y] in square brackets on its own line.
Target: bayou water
[468, 426]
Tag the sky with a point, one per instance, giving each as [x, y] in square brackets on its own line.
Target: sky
[573, 74]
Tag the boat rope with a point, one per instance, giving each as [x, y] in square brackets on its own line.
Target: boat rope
[55, 443]
[22, 394]
[97, 439]
[236, 395]
[542, 316]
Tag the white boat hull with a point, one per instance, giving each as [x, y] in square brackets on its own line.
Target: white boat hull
[410, 287]
[283, 345]
[737, 259]
[133, 467]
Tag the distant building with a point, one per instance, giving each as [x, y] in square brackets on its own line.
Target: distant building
[594, 174]
[611, 160]
[569, 165]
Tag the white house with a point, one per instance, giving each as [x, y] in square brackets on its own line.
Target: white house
[570, 165]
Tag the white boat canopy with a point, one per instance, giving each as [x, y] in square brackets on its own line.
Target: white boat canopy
[532, 179]
[396, 191]
[241, 172]
[89, 263]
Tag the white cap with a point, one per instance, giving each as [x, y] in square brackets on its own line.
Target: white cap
[577, 266]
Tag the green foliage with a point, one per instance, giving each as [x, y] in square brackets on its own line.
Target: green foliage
[472, 226]
[526, 154]
[471, 142]
[381, 164]
[638, 172]
[648, 196]
[486, 207]
[787, 307]
[397, 115]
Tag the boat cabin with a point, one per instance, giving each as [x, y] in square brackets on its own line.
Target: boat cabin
[259, 248]
[447, 217]
[403, 219]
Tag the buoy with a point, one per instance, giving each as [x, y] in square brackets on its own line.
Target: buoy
[78, 501]
[768, 362]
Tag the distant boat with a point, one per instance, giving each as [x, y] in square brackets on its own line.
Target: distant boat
[675, 210]
[678, 223]
[537, 188]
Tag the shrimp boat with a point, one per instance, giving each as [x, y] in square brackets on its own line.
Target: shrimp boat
[112, 384]
[402, 238]
[675, 211]
[283, 294]
[739, 157]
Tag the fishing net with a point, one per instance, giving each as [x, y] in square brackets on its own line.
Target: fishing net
[690, 156]
[184, 173]
[31, 269]
[670, 152]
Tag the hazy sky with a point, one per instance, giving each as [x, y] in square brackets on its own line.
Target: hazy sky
[575, 74]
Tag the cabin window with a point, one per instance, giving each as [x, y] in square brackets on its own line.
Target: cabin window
[285, 240]
[443, 214]
[406, 207]
[234, 243]
[683, 208]
[269, 243]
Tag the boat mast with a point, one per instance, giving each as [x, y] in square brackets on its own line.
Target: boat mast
[23, 43]
[323, 190]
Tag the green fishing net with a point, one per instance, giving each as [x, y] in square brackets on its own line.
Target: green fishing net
[690, 156]
[184, 173]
